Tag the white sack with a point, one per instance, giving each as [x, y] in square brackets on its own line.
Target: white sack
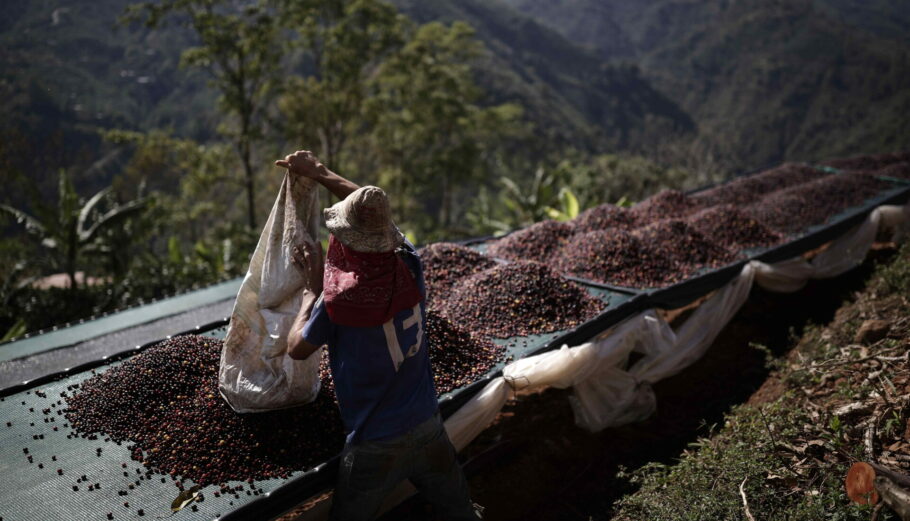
[849, 250]
[787, 276]
[610, 395]
[256, 374]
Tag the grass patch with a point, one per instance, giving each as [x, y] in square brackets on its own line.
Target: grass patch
[794, 451]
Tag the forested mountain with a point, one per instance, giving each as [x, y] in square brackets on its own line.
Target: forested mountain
[884, 18]
[754, 81]
[68, 69]
[763, 80]
[564, 105]
[563, 86]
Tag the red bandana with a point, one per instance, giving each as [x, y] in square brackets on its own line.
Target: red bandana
[365, 289]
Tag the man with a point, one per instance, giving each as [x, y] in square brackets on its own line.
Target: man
[371, 315]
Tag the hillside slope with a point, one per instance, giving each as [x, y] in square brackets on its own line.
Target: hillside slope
[67, 70]
[764, 81]
[559, 83]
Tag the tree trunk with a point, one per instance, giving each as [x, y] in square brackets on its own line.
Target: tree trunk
[71, 269]
[250, 191]
[444, 203]
[72, 252]
[325, 149]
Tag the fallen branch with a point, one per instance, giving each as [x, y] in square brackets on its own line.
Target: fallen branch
[867, 482]
[901, 479]
[894, 496]
[742, 492]
[869, 434]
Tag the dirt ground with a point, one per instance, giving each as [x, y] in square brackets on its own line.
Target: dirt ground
[533, 463]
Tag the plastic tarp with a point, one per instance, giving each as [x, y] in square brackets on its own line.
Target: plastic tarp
[256, 374]
[607, 392]
[842, 255]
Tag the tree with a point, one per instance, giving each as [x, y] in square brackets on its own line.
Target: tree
[344, 42]
[241, 47]
[431, 135]
[533, 201]
[74, 226]
[186, 210]
[189, 172]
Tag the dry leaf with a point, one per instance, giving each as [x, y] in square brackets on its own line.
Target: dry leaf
[185, 498]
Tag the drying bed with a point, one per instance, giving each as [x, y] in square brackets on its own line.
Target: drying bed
[32, 451]
[792, 246]
[51, 473]
[795, 245]
[677, 273]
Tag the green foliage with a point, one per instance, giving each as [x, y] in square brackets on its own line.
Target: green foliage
[430, 134]
[531, 204]
[18, 329]
[485, 214]
[681, 491]
[404, 94]
[75, 227]
[240, 46]
[193, 185]
[764, 81]
[564, 190]
[568, 206]
[44, 308]
[896, 277]
[704, 484]
[610, 177]
[345, 41]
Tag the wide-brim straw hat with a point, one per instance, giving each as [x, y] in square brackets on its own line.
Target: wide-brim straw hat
[363, 221]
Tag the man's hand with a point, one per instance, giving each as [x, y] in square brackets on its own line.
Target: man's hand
[307, 257]
[303, 163]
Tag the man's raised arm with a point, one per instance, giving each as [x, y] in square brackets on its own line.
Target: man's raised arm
[304, 163]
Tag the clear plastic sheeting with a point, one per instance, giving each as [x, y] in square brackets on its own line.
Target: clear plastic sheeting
[256, 374]
[841, 255]
[608, 392]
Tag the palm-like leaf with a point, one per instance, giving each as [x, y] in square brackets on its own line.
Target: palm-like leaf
[87, 209]
[67, 231]
[32, 224]
[112, 218]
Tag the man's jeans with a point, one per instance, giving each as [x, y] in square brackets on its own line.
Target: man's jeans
[370, 470]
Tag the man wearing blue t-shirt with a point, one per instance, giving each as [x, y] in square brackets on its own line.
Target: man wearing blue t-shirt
[371, 314]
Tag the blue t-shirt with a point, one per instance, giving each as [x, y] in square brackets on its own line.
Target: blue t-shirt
[386, 368]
